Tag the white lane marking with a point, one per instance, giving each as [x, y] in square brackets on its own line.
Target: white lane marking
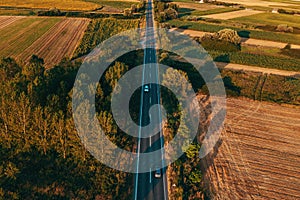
[139, 139]
[150, 175]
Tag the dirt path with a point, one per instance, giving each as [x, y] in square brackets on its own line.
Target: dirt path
[257, 69]
[249, 41]
[258, 155]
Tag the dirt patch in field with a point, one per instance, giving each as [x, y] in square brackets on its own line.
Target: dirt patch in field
[7, 20]
[234, 14]
[191, 33]
[268, 43]
[257, 69]
[59, 42]
[258, 154]
[110, 10]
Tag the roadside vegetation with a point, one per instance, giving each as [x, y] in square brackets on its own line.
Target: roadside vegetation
[101, 29]
[42, 156]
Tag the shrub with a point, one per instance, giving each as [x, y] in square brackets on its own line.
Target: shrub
[171, 13]
[127, 12]
[288, 12]
[288, 46]
[229, 35]
[225, 40]
[284, 28]
[161, 17]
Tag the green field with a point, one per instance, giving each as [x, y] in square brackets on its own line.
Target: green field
[11, 12]
[19, 35]
[46, 4]
[260, 60]
[271, 19]
[112, 3]
[185, 11]
[264, 35]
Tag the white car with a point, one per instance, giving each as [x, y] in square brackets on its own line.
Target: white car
[146, 88]
[157, 173]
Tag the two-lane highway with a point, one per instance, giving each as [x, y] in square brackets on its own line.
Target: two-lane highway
[146, 185]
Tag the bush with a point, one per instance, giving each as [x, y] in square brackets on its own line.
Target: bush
[288, 46]
[284, 28]
[225, 40]
[229, 35]
[127, 12]
[288, 12]
[171, 13]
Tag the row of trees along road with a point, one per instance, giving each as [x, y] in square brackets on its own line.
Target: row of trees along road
[41, 154]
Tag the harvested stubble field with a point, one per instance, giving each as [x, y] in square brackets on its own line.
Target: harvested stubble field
[19, 35]
[49, 38]
[197, 6]
[258, 153]
[264, 3]
[234, 14]
[59, 42]
[46, 4]
[5, 21]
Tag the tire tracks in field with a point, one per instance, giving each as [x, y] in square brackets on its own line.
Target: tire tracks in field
[58, 42]
[7, 20]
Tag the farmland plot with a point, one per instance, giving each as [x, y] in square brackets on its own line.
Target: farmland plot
[59, 42]
[5, 21]
[234, 14]
[46, 4]
[19, 35]
[258, 155]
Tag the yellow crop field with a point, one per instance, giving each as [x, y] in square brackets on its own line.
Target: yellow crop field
[46, 4]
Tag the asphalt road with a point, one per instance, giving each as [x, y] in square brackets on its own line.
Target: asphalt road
[146, 185]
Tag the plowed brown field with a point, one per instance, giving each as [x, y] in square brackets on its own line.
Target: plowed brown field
[258, 156]
[59, 42]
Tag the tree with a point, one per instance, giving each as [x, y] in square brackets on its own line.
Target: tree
[34, 69]
[9, 69]
[284, 28]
